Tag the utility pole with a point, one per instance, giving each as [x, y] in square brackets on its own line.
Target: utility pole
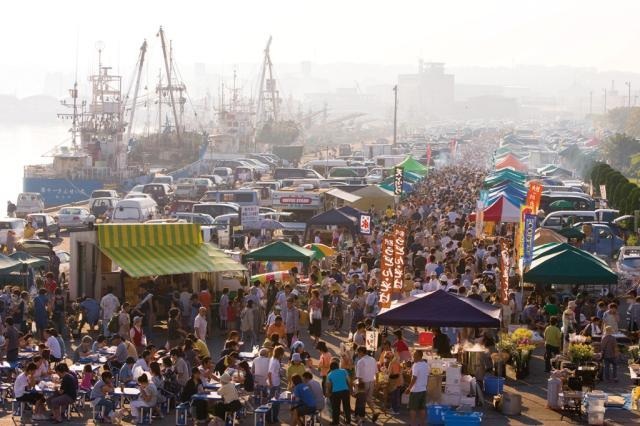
[605, 100]
[628, 83]
[395, 113]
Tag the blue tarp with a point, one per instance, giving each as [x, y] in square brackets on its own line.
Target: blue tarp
[439, 309]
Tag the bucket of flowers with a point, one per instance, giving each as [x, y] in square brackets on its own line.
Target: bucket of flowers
[580, 353]
[521, 353]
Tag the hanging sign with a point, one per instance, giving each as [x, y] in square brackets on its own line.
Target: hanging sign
[529, 234]
[365, 224]
[386, 270]
[398, 180]
[399, 242]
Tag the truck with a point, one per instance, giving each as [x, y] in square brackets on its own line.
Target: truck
[600, 239]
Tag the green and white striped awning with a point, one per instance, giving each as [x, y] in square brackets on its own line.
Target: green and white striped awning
[143, 250]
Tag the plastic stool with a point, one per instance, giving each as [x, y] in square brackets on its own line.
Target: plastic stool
[182, 411]
[145, 416]
[310, 419]
[230, 418]
[98, 415]
[260, 415]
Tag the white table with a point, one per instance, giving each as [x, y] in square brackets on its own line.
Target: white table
[209, 396]
[130, 393]
[79, 368]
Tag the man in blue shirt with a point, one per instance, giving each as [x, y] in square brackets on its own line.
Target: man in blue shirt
[338, 385]
[90, 312]
[305, 400]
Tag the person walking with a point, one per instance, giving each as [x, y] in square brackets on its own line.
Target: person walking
[109, 305]
[552, 342]
[417, 389]
[291, 318]
[610, 352]
[315, 314]
[338, 385]
[247, 324]
[366, 369]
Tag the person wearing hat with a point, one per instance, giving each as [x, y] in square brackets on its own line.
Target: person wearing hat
[610, 354]
[295, 367]
[433, 283]
[230, 398]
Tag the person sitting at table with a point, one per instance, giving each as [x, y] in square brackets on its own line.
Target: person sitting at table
[99, 395]
[192, 387]
[305, 401]
[53, 344]
[86, 384]
[594, 328]
[99, 344]
[26, 341]
[230, 346]
[120, 356]
[148, 397]
[83, 350]
[142, 365]
[295, 367]
[171, 384]
[126, 372]
[228, 361]
[23, 391]
[230, 398]
[42, 365]
[199, 346]
[158, 380]
[206, 369]
[189, 354]
[179, 366]
[66, 394]
[248, 382]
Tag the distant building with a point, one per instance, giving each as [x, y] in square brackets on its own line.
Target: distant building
[429, 94]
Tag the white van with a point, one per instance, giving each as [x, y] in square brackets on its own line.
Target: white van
[136, 210]
[11, 224]
[29, 202]
[562, 218]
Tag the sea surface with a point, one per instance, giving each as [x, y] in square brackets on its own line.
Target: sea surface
[21, 145]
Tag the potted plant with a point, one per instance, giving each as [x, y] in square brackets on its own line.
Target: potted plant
[580, 353]
[634, 354]
[522, 350]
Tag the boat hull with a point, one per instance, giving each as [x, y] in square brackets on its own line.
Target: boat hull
[58, 191]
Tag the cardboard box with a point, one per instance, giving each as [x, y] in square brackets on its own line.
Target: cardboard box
[450, 399]
[453, 389]
[468, 400]
[453, 375]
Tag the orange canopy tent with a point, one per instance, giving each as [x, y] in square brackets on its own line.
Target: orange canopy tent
[511, 161]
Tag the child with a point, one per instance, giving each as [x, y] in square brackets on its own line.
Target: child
[87, 378]
[126, 372]
[361, 403]
[336, 311]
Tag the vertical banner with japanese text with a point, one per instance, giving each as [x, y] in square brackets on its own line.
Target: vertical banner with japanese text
[398, 180]
[386, 270]
[479, 218]
[529, 234]
[533, 196]
[504, 272]
[399, 242]
[365, 224]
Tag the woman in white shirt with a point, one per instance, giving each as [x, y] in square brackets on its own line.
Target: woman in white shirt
[273, 379]
[25, 381]
[53, 344]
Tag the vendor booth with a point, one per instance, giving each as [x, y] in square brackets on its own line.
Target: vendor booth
[373, 196]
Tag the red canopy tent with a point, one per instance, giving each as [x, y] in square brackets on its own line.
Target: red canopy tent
[512, 161]
[500, 211]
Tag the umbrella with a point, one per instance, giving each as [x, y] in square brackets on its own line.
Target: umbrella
[321, 250]
[561, 205]
[270, 224]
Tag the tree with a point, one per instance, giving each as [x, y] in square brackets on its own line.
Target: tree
[618, 149]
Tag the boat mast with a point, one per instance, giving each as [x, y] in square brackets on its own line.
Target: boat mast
[143, 51]
[170, 89]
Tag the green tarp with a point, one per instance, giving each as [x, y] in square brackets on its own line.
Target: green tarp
[279, 251]
[560, 263]
[410, 164]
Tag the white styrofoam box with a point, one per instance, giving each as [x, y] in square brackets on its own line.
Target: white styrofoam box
[454, 375]
[596, 418]
[450, 399]
[453, 389]
[468, 400]
[465, 384]
[438, 363]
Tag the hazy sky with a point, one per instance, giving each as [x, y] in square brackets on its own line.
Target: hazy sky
[474, 32]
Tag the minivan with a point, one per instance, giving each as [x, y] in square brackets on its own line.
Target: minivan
[286, 173]
[136, 210]
[29, 202]
[160, 192]
[216, 209]
[578, 201]
[14, 224]
[563, 218]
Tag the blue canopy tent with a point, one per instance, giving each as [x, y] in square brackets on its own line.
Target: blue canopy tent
[439, 309]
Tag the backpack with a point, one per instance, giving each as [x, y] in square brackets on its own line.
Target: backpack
[114, 324]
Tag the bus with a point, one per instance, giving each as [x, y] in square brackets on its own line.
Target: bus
[242, 197]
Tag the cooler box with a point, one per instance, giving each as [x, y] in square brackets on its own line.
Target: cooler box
[454, 389]
[435, 414]
[453, 375]
[450, 399]
[493, 385]
[453, 418]
[425, 338]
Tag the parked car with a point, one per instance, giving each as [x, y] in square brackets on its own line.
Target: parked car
[199, 218]
[226, 174]
[135, 211]
[103, 193]
[137, 196]
[103, 207]
[161, 193]
[11, 223]
[45, 225]
[216, 209]
[602, 240]
[165, 179]
[70, 218]
[29, 202]
[628, 264]
[375, 176]
[38, 248]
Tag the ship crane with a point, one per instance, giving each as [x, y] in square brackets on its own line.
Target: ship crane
[143, 51]
[268, 88]
[167, 67]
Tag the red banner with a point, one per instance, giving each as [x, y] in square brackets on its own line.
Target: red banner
[399, 242]
[386, 270]
[533, 197]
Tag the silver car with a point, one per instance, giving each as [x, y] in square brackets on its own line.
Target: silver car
[74, 218]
